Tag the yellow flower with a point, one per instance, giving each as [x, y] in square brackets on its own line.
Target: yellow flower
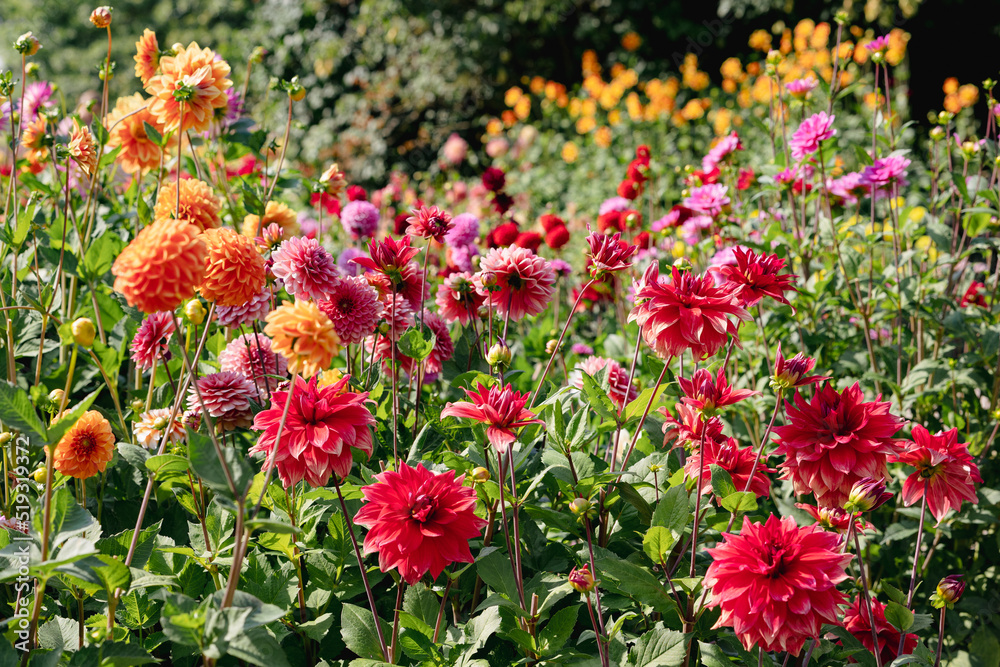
[570, 152]
[585, 124]
[512, 95]
[917, 214]
[602, 137]
[760, 40]
[679, 250]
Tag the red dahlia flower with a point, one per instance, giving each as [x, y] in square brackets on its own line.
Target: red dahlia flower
[789, 373]
[686, 428]
[687, 313]
[858, 623]
[609, 254]
[835, 440]
[429, 222]
[758, 276]
[419, 522]
[708, 393]
[776, 583]
[494, 179]
[323, 426]
[388, 257]
[738, 462]
[500, 408]
[524, 282]
[944, 468]
[835, 518]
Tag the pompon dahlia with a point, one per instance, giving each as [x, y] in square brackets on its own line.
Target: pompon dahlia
[354, 308]
[429, 222]
[227, 397]
[199, 205]
[944, 469]
[457, 298]
[834, 440]
[234, 270]
[152, 340]
[304, 335]
[707, 393]
[161, 267]
[500, 408]
[686, 427]
[274, 213]
[253, 310]
[323, 428]
[737, 461]
[608, 254]
[127, 131]
[758, 276]
[153, 424]
[806, 139]
[306, 268]
[193, 73]
[464, 230]
[82, 148]
[86, 448]
[399, 315]
[251, 356]
[686, 313]
[359, 219]
[147, 56]
[857, 621]
[524, 282]
[621, 392]
[418, 521]
[776, 583]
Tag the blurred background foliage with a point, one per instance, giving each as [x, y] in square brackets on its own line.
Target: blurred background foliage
[389, 80]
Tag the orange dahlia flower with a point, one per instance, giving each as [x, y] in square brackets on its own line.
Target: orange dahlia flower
[82, 148]
[234, 270]
[33, 138]
[161, 267]
[147, 56]
[304, 335]
[275, 212]
[199, 205]
[127, 131]
[86, 448]
[195, 75]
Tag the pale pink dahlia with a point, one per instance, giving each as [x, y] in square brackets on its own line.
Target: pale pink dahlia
[254, 310]
[354, 308]
[227, 397]
[524, 282]
[152, 339]
[307, 269]
[251, 356]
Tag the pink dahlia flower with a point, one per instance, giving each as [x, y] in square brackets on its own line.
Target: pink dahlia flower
[251, 356]
[500, 408]
[227, 397]
[944, 471]
[806, 139]
[418, 521]
[254, 310]
[354, 308]
[524, 282]
[707, 393]
[758, 276]
[621, 391]
[306, 268]
[323, 428]
[152, 339]
[737, 461]
[708, 199]
[776, 583]
[464, 230]
[608, 254]
[886, 171]
[429, 222]
[457, 298]
[359, 219]
[857, 621]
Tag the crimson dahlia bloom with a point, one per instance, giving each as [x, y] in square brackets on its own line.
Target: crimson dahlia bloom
[500, 408]
[419, 522]
[429, 222]
[686, 428]
[687, 313]
[388, 257]
[323, 426]
[776, 583]
[524, 282]
[943, 466]
[858, 623]
[737, 461]
[708, 393]
[835, 518]
[834, 440]
[758, 276]
[609, 254]
[790, 373]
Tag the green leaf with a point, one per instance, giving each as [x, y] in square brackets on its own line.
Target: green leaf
[894, 593]
[101, 254]
[673, 511]
[357, 628]
[558, 630]
[659, 648]
[598, 398]
[637, 582]
[417, 343]
[740, 501]
[153, 134]
[257, 647]
[494, 569]
[722, 482]
[899, 616]
[205, 462]
[712, 655]
[16, 411]
[657, 543]
[633, 497]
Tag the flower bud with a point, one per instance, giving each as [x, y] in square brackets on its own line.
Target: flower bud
[773, 57]
[949, 591]
[27, 44]
[550, 347]
[84, 331]
[488, 279]
[841, 18]
[581, 579]
[257, 55]
[5, 437]
[498, 356]
[137, 405]
[297, 93]
[580, 506]
[101, 17]
[194, 311]
[937, 133]
[40, 475]
[866, 495]
[683, 264]
[57, 396]
[480, 475]
[31, 70]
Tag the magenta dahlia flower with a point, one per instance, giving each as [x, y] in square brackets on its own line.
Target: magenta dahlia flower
[707, 393]
[354, 308]
[524, 282]
[359, 219]
[152, 339]
[429, 222]
[708, 199]
[884, 172]
[323, 428]
[464, 231]
[776, 583]
[806, 139]
[419, 522]
[758, 276]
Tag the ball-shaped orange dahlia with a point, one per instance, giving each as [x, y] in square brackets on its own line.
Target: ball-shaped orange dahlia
[199, 205]
[195, 76]
[162, 266]
[304, 335]
[275, 212]
[86, 448]
[234, 270]
[127, 131]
